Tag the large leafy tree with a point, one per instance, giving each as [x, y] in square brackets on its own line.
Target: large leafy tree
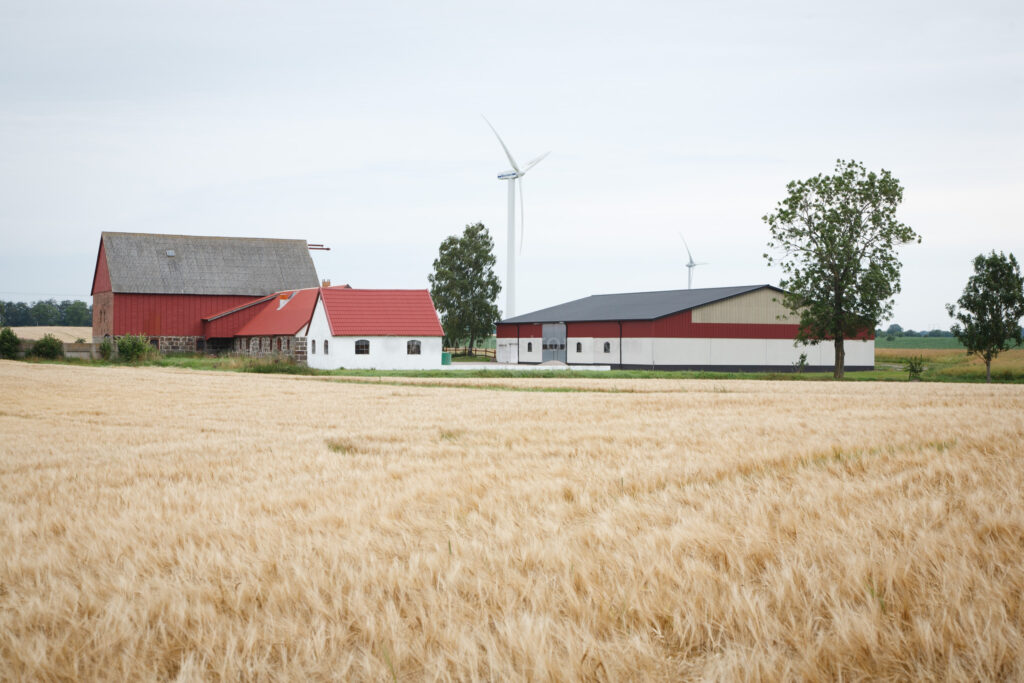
[988, 318]
[835, 237]
[464, 286]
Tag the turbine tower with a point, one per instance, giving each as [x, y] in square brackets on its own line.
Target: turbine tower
[691, 264]
[513, 175]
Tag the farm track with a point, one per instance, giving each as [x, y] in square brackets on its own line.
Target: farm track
[164, 523]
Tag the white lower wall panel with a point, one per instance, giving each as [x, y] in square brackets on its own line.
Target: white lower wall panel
[681, 351]
[531, 350]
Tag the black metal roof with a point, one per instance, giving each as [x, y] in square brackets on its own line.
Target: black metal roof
[632, 306]
[145, 263]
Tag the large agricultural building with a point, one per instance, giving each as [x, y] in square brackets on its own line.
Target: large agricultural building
[168, 286]
[255, 297]
[721, 328]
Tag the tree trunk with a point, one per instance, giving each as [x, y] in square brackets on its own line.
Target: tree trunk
[471, 340]
[840, 367]
[988, 370]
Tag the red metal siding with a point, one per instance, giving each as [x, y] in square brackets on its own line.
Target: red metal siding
[101, 276]
[169, 314]
[596, 329]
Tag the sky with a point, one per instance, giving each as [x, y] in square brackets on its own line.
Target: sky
[358, 125]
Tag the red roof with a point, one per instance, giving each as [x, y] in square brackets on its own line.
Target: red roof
[381, 312]
[288, 314]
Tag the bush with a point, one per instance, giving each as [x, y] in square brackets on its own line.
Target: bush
[106, 349]
[133, 347]
[9, 343]
[48, 347]
[915, 366]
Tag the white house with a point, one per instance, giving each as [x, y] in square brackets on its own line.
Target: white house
[382, 329]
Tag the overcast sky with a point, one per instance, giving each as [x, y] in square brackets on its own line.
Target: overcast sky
[358, 125]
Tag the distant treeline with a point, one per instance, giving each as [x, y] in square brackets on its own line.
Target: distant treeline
[45, 313]
[895, 330]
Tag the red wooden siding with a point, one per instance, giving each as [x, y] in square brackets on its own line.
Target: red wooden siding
[101, 276]
[169, 314]
[507, 331]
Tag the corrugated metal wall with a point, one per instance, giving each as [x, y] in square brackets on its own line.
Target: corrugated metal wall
[763, 306]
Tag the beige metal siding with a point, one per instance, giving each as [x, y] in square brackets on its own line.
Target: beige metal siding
[763, 306]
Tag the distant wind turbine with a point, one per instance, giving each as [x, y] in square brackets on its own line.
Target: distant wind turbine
[691, 264]
[513, 175]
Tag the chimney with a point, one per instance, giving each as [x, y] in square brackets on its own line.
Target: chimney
[325, 283]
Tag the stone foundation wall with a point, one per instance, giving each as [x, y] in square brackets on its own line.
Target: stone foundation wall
[272, 347]
[178, 344]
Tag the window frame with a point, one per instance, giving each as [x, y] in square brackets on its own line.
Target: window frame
[414, 344]
[366, 350]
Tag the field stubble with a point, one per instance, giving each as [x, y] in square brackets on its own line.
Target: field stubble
[163, 523]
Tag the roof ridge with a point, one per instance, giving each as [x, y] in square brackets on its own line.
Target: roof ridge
[201, 237]
[699, 289]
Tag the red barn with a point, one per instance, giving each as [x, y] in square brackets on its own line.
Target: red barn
[168, 286]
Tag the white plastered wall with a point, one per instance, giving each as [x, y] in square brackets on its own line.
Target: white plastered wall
[386, 353]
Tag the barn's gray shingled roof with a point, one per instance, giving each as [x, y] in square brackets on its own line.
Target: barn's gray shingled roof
[632, 306]
[139, 264]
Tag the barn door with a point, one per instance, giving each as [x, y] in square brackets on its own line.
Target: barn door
[553, 343]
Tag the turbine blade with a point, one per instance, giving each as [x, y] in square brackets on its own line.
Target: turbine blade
[687, 247]
[522, 218]
[507, 153]
[530, 164]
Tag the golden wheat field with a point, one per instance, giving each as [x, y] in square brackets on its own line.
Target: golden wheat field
[172, 524]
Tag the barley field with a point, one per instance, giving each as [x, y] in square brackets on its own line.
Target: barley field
[174, 524]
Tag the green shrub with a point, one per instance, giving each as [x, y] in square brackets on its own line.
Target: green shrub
[277, 365]
[106, 349]
[48, 347]
[133, 347]
[9, 343]
[915, 366]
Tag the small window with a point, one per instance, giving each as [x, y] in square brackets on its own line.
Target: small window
[412, 347]
[312, 346]
[607, 347]
[279, 345]
[200, 344]
[362, 347]
[287, 344]
[529, 347]
[579, 347]
[326, 348]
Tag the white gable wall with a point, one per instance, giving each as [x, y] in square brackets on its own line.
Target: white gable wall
[386, 353]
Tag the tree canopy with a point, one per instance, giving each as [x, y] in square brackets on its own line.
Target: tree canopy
[45, 313]
[835, 237]
[464, 286]
[990, 309]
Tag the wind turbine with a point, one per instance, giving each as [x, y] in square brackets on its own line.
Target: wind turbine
[691, 264]
[513, 175]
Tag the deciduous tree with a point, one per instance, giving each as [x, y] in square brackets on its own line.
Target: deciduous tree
[464, 286]
[835, 237]
[990, 309]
